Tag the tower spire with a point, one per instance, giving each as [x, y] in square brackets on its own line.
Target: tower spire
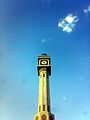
[44, 71]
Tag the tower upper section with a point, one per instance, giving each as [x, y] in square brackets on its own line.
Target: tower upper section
[44, 62]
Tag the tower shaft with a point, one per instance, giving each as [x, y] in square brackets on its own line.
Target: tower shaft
[44, 91]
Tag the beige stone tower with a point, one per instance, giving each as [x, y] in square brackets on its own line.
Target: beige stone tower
[44, 71]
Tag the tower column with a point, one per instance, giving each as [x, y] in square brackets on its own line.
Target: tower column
[44, 91]
[44, 71]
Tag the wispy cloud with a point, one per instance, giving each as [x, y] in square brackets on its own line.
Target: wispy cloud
[86, 11]
[43, 40]
[80, 77]
[64, 97]
[68, 23]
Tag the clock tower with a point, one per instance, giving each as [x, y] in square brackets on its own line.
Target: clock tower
[44, 71]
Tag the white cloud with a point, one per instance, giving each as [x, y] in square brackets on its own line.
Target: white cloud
[87, 10]
[68, 23]
[69, 18]
[67, 28]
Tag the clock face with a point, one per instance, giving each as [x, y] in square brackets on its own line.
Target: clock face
[43, 62]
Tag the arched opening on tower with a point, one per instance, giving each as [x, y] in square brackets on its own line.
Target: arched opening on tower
[44, 117]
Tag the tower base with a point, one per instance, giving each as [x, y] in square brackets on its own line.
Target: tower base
[44, 116]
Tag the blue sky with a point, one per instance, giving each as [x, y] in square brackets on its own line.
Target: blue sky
[30, 28]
